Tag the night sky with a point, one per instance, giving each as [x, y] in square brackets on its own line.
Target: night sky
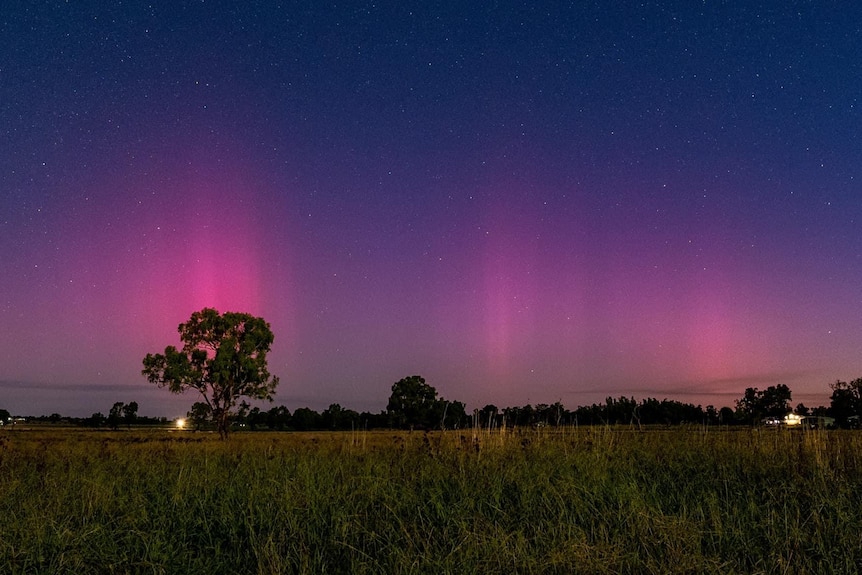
[521, 202]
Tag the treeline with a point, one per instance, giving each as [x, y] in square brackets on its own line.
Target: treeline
[413, 404]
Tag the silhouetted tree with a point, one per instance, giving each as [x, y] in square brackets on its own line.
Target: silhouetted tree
[306, 419]
[368, 420]
[278, 418]
[223, 358]
[130, 413]
[336, 417]
[488, 416]
[726, 416]
[199, 415]
[122, 413]
[774, 401]
[256, 418]
[115, 415]
[846, 400]
[712, 416]
[454, 414]
[412, 403]
[96, 420]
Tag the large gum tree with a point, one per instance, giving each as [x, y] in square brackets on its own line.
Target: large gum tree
[223, 357]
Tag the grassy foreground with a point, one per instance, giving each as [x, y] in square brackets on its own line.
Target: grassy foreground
[576, 501]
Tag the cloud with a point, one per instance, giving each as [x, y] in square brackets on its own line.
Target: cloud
[74, 387]
[720, 387]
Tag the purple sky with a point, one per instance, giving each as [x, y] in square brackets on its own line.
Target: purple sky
[526, 203]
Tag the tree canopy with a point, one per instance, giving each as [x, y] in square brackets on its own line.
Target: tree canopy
[122, 413]
[846, 400]
[224, 358]
[774, 401]
[414, 403]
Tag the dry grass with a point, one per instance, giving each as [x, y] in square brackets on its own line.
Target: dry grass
[589, 500]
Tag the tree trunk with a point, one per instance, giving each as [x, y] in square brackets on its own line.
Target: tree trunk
[223, 423]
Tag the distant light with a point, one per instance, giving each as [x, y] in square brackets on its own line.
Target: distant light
[792, 419]
[181, 423]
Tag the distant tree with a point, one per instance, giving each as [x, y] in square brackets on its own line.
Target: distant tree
[488, 416]
[412, 403]
[512, 415]
[557, 414]
[241, 414]
[5, 416]
[306, 419]
[802, 410]
[332, 416]
[725, 416]
[368, 420]
[651, 410]
[336, 417]
[278, 418]
[255, 418]
[96, 420]
[711, 414]
[223, 358]
[774, 401]
[820, 411]
[748, 407]
[454, 414]
[115, 415]
[130, 413]
[622, 410]
[520, 415]
[846, 400]
[199, 415]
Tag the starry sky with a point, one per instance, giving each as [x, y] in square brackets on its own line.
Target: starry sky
[523, 202]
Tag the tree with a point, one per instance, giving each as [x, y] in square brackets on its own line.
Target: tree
[747, 407]
[223, 358]
[846, 400]
[278, 417]
[488, 416]
[711, 414]
[95, 420]
[306, 419]
[130, 413]
[454, 415]
[774, 401]
[199, 415]
[412, 403]
[5, 416]
[251, 416]
[115, 415]
[338, 418]
[725, 415]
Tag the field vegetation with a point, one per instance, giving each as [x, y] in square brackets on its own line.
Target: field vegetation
[565, 500]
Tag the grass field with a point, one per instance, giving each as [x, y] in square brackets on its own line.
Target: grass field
[589, 500]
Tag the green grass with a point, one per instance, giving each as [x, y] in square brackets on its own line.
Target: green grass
[593, 500]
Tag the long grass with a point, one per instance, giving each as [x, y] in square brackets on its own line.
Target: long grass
[591, 500]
